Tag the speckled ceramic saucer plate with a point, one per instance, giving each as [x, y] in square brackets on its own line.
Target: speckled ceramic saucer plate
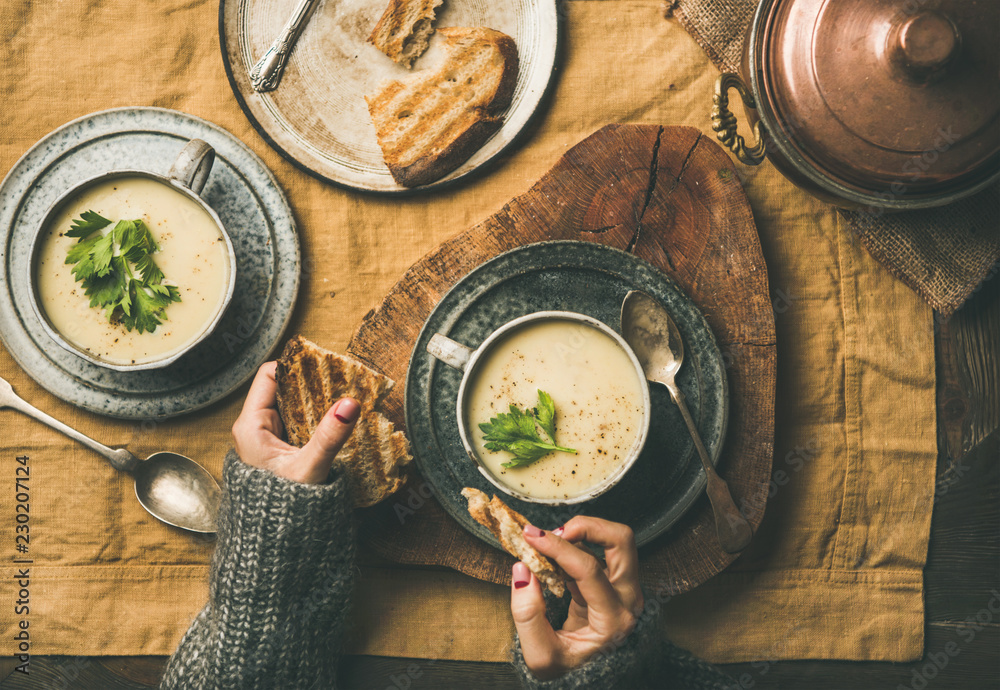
[591, 279]
[318, 117]
[248, 201]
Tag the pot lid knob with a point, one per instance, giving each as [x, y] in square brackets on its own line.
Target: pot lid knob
[921, 45]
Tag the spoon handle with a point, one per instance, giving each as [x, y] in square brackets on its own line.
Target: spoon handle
[119, 458]
[266, 73]
[733, 529]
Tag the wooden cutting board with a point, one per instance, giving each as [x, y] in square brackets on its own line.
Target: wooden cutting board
[671, 197]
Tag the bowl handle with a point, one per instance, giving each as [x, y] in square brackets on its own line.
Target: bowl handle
[448, 351]
[193, 165]
[724, 122]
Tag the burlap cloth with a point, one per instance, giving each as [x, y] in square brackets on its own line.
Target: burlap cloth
[942, 253]
[836, 568]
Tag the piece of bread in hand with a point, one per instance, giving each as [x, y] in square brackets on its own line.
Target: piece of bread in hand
[404, 31]
[310, 380]
[432, 122]
[507, 525]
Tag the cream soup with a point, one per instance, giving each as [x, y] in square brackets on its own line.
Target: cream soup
[598, 401]
[193, 256]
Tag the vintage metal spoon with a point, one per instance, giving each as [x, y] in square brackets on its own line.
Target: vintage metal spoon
[266, 72]
[657, 343]
[171, 487]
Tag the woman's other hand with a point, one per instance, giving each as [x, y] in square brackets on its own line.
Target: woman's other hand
[607, 599]
[257, 434]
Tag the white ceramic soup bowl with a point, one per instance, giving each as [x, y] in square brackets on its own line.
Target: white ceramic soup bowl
[469, 361]
[187, 177]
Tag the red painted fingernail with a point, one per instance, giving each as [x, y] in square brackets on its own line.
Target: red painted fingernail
[521, 575]
[347, 410]
[541, 533]
[558, 531]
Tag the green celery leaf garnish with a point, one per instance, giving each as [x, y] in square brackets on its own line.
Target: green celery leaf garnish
[151, 273]
[118, 273]
[545, 413]
[103, 290]
[87, 223]
[101, 254]
[79, 254]
[149, 308]
[517, 432]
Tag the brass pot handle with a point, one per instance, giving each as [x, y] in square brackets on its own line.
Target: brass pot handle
[724, 122]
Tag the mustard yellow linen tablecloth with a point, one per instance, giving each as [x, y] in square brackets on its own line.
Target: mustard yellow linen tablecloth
[836, 569]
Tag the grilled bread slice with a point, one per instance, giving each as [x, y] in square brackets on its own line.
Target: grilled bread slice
[431, 123]
[507, 525]
[404, 31]
[310, 380]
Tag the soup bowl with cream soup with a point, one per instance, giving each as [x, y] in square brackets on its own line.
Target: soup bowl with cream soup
[193, 251]
[596, 386]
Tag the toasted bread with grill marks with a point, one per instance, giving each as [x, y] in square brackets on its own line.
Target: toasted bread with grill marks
[432, 122]
[507, 525]
[404, 31]
[310, 380]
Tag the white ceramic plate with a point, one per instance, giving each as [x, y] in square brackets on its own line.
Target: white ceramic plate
[318, 118]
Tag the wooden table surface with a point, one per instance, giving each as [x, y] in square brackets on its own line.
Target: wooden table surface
[962, 574]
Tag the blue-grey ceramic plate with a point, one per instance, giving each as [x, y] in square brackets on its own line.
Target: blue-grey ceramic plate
[590, 279]
[248, 201]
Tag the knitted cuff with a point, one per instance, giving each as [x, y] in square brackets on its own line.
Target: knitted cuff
[619, 664]
[283, 565]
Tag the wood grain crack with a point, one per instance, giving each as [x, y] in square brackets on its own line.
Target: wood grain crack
[684, 165]
[653, 168]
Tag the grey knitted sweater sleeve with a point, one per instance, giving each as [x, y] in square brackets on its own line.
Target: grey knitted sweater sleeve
[280, 590]
[280, 586]
[642, 660]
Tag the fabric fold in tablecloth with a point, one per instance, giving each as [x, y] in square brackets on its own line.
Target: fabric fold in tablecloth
[836, 568]
[834, 571]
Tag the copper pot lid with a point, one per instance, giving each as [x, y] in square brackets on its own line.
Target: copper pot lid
[899, 98]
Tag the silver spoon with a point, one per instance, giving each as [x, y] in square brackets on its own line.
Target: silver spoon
[171, 487]
[657, 343]
[266, 72]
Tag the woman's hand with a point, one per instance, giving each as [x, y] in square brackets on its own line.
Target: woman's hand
[606, 602]
[257, 434]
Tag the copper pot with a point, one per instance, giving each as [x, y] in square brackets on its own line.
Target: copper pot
[881, 104]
